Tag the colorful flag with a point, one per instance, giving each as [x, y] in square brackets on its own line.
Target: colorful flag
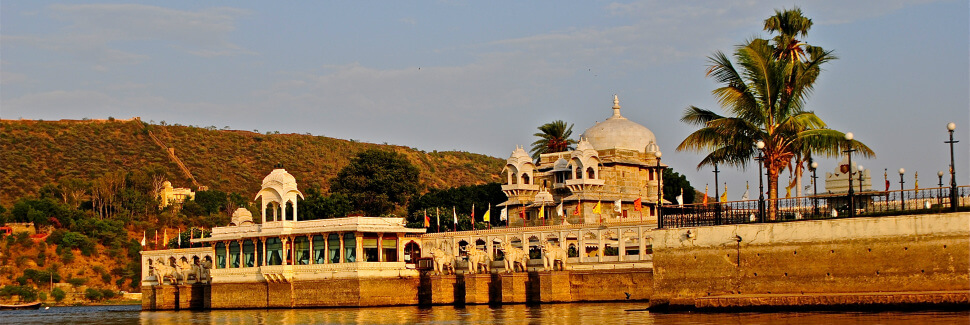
[638, 204]
[179, 234]
[165, 238]
[427, 220]
[504, 215]
[454, 216]
[680, 198]
[705, 194]
[522, 213]
[598, 208]
[724, 195]
[143, 235]
[542, 211]
[156, 239]
[488, 215]
[579, 207]
[437, 218]
[473, 216]
[744, 197]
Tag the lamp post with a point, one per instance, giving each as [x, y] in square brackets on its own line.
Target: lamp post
[660, 192]
[717, 198]
[814, 167]
[902, 195]
[953, 173]
[861, 169]
[848, 152]
[761, 185]
[939, 193]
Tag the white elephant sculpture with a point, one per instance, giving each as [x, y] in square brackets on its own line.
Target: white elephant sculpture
[476, 259]
[164, 271]
[515, 258]
[552, 253]
[442, 261]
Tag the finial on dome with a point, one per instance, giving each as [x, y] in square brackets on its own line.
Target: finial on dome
[616, 106]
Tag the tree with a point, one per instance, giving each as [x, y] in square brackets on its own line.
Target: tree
[377, 181]
[674, 182]
[766, 95]
[58, 294]
[553, 137]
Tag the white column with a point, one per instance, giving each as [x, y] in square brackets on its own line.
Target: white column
[380, 247]
[599, 249]
[622, 245]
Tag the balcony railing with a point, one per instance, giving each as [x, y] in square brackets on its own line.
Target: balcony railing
[827, 206]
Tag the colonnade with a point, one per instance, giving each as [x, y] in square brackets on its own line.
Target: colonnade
[308, 249]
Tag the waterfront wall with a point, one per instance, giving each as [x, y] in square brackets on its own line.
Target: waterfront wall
[917, 253]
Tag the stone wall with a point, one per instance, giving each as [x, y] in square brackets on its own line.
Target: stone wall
[875, 254]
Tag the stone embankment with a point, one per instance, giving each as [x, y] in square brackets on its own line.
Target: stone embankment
[858, 263]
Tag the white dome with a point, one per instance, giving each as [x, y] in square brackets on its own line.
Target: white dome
[619, 132]
[560, 165]
[281, 178]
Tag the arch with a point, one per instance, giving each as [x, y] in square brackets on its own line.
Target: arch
[412, 252]
[535, 248]
[480, 244]
[462, 248]
[497, 253]
[611, 245]
[590, 173]
[515, 242]
[525, 179]
[572, 251]
[552, 236]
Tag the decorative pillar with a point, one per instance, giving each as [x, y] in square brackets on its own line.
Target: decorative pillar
[359, 247]
[312, 252]
[400, 248]
[643, 244]
[343, 257]
[294, 210]
[599, 246]
[264, 261]
[283, 241]
[262, 211]
[228, 264]
[380, 247]
[622, 245]
[582, 246]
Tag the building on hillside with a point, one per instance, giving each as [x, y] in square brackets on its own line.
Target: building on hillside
[615, 165]
[169, 195]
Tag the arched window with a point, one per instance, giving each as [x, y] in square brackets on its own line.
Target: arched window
[590, 174]
[289, 210]
[579, 173]
[525, 179]
[412, 252]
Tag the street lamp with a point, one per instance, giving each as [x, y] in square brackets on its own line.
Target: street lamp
[660, 191]
[902, 195]
[953, 173]
[761, 185]
[939, 193]
[814, 167]
[717, 198]
[848, 152]
[860, 177]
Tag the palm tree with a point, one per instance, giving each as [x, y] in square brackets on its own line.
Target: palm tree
[765, 94]
[553, 137]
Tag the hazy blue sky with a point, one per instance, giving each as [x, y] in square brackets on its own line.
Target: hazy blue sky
[480, 76]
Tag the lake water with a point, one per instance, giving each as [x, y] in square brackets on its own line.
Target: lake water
[586, 313]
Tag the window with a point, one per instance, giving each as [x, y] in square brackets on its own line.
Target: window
[234, 254]
[301, 246]
[220, 255]
[369, 245]
[274, 251]
[334, 248]
[249, 256]
[319, 250]
[590, 174]
[389, 245]
[525, 178]
[350, 248]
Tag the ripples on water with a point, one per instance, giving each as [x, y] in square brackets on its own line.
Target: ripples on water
[591, 313]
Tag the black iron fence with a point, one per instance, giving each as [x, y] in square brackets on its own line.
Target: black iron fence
[827, 206]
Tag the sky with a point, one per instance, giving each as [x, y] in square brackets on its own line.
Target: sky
[480, 76]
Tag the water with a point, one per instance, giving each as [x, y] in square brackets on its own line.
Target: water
[586, 313]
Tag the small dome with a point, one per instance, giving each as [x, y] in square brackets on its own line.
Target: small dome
[281, 177]
[652, 147]
[561, 165]
[543, 197]
[241, 216]
[167, 184]
[520, 154]
[618, 132]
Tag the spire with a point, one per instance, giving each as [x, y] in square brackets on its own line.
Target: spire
[616, 106]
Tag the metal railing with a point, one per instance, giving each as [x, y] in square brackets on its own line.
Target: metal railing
[824, 206]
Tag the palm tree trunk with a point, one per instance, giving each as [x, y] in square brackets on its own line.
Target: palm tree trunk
[773, 192]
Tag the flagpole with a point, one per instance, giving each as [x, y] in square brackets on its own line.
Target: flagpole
[438, 218]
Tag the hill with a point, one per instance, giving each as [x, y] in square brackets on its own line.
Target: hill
[36, 153]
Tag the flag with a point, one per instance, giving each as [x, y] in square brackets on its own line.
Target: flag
[579, 207]
[542, 211]
[618, 206]
[191, 236]
[598, 208]
[887, 184]
[724, 195]
[504, 215]
[522, 213]
[638, 204]
[915, 181]
[473, 216]
[156, 238]
[454, 217]
[787, 192]
[744, 197]
[680, 198]
[559, 211]
[705, 194]
[427, 220]
[179, 237]
[488, 215]
[143, 235]
[437, 218]
[165, 238]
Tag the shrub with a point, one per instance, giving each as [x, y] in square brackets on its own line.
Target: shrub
[93, 294]
[77, 282]
[58, 294]
[108, 293]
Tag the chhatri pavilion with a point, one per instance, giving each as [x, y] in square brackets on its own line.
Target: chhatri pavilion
[615, 164]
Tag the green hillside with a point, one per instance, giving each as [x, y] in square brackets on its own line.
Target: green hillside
[40, 152]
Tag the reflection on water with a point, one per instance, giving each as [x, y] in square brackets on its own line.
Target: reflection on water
[592, 313]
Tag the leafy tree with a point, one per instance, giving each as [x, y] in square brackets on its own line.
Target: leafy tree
[377, 181]
[765, 93]
[93, 294]
[674, 182]
[553, 137]
[319, 206]
[462, 198]
[212, 201]
[58, 294]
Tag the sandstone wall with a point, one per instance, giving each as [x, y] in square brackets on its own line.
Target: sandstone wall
[876, 254]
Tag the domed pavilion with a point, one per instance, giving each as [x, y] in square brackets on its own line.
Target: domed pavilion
[615, 164]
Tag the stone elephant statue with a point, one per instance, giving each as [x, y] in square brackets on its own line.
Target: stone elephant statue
[442, 261]
[163, 271]
[515, 258]
[552, 253]
[478, 258]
